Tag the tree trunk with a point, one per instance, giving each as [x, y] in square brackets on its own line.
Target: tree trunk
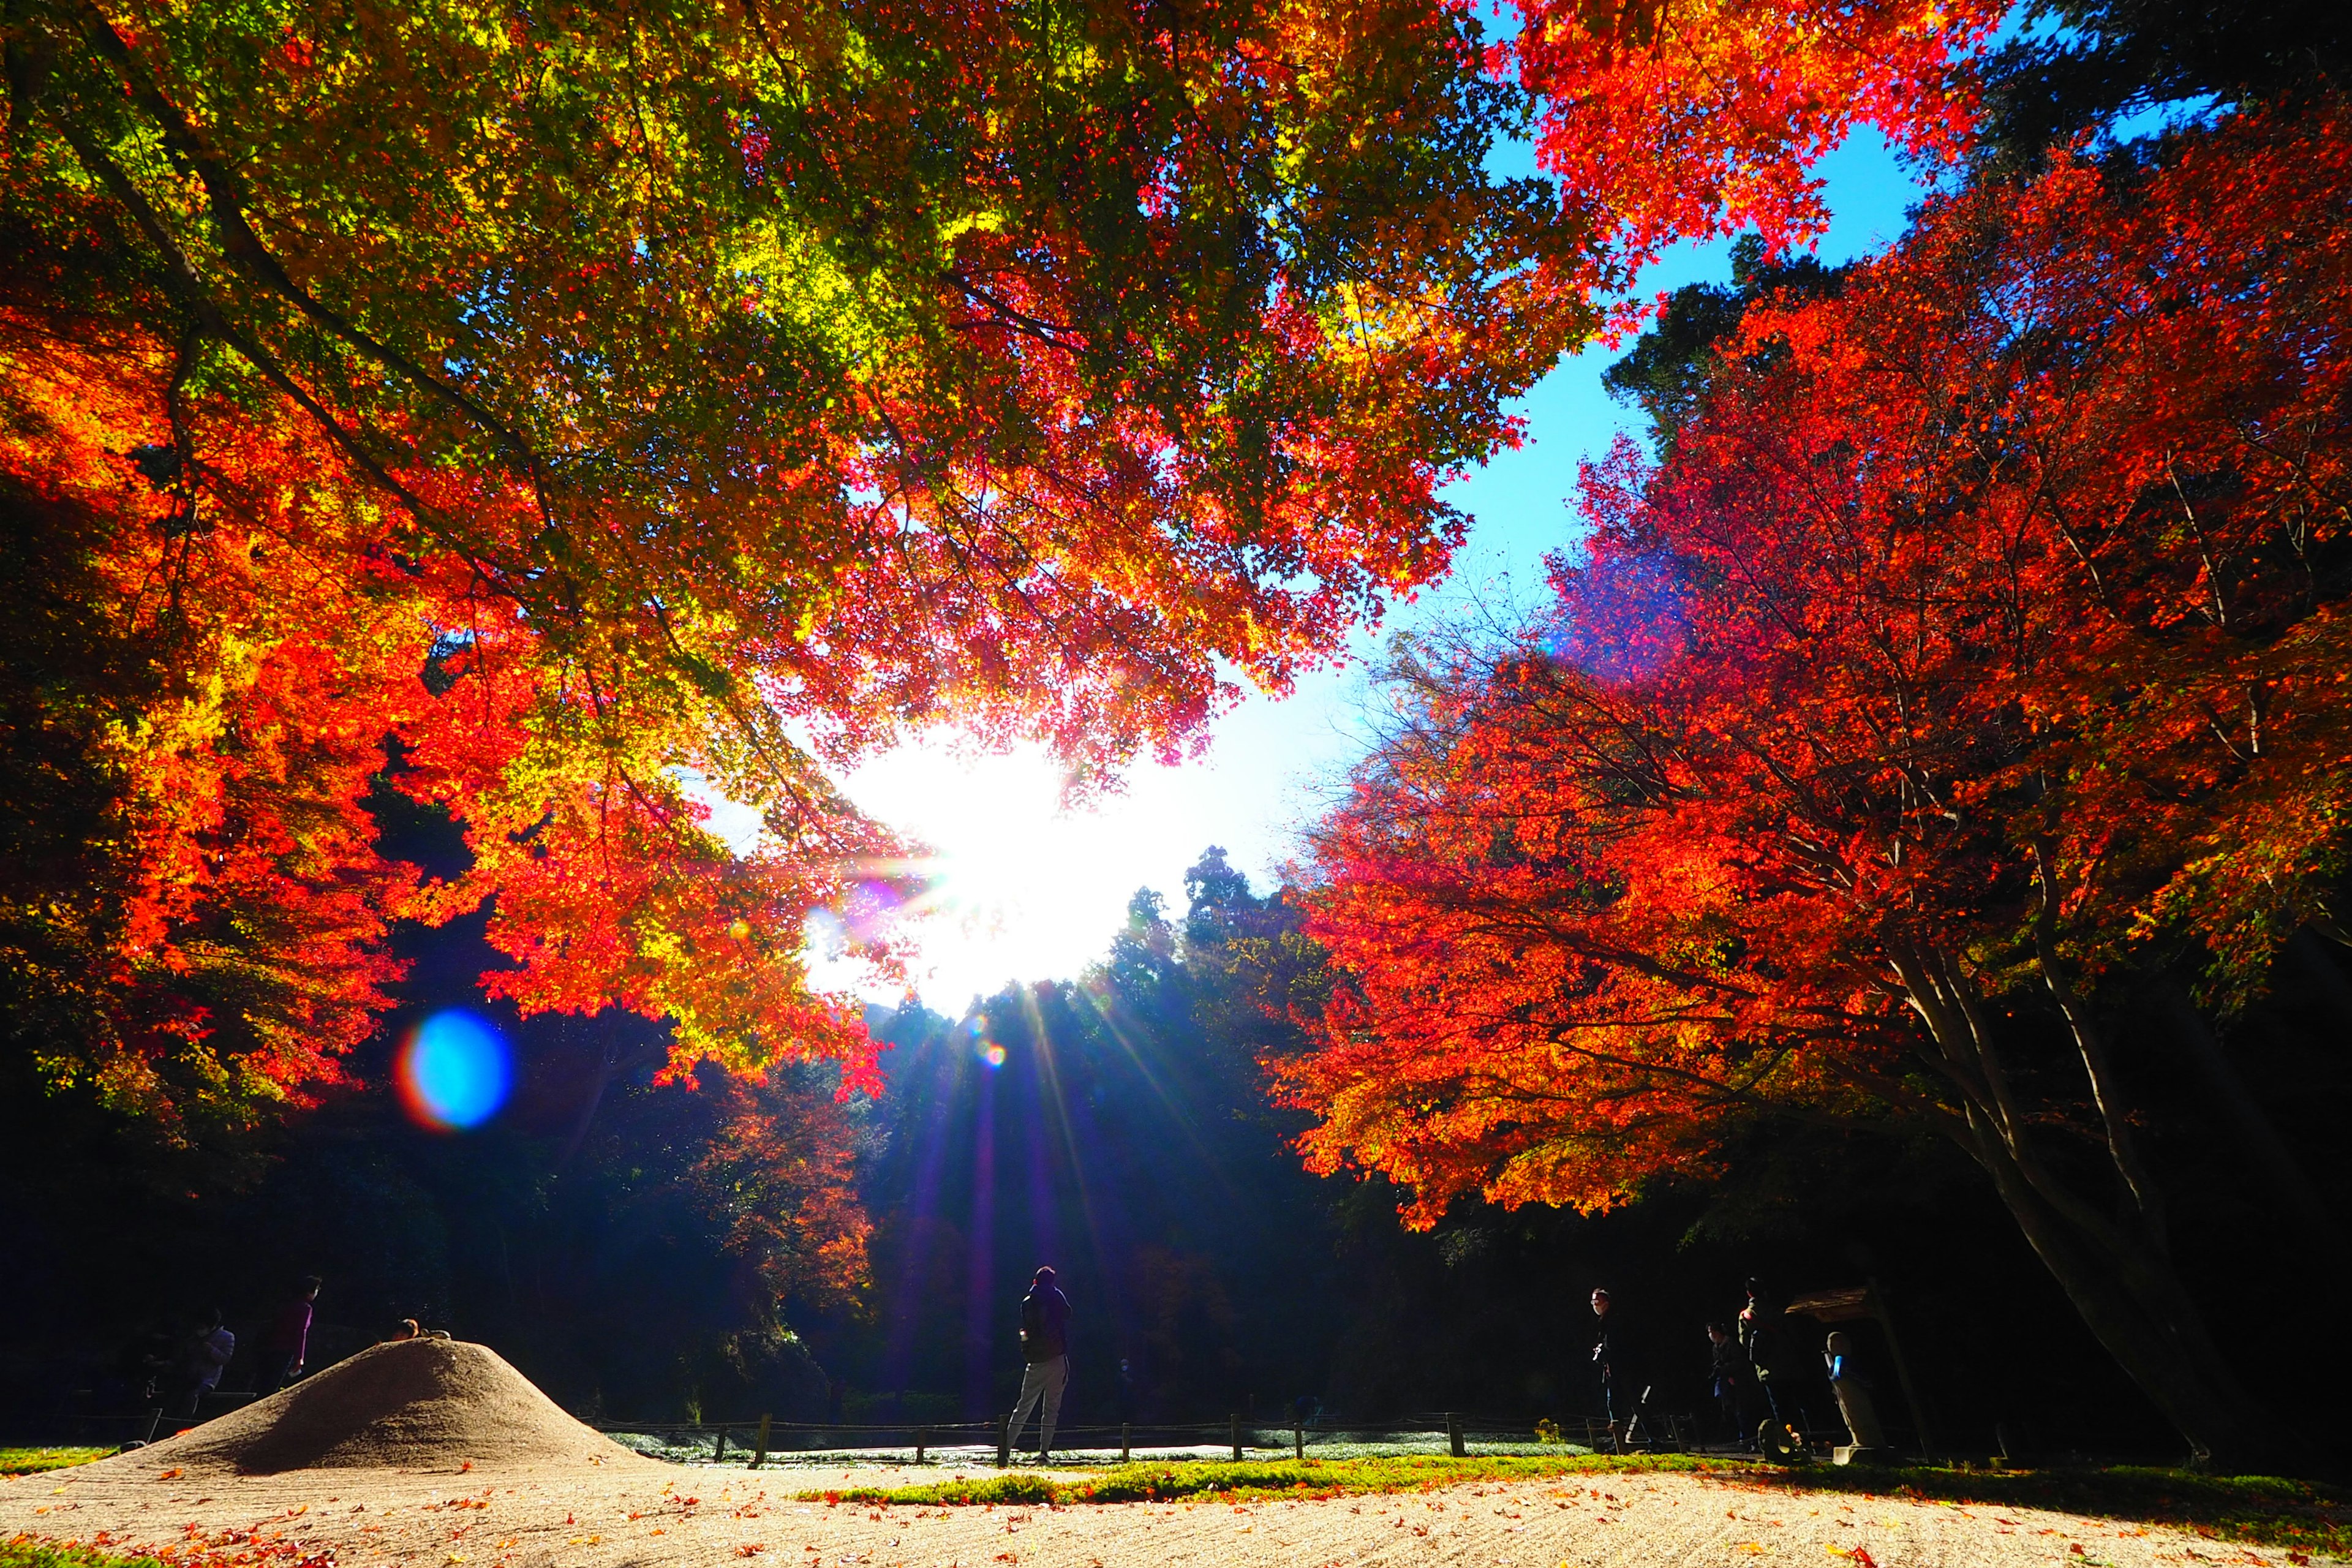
[612, 1062]
[2110, 1254]
[2131, 1297]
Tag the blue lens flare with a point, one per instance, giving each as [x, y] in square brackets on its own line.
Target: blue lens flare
[453, 1071]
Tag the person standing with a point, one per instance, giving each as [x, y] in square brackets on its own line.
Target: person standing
[1129, 1401]
[288, 1341]
[1620, 1394]
[1728, 1371]
[1045, 1357]
[209, 1351]
[1760, 1338]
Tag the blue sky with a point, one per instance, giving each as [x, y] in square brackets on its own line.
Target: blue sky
[1034, 893]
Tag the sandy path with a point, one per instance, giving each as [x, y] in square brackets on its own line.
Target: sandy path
[642, 1515]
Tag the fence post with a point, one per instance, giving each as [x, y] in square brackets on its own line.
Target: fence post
[1298, 1441]
[1004, 1443]
[1454, 1435]
[718, 1446]
[760, 1454]
[1237, 1439]
[922, 1441]
[1125, 1434]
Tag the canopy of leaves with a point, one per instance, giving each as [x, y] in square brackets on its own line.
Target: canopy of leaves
[1973, 664]
[1999, 602]
[1667, 118]
[1666, 371]
[608, 406]
[696, 399]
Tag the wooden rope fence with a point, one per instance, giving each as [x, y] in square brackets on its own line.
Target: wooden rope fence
[1455, 1430]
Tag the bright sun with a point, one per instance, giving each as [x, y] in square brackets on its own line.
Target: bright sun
[1021, 889]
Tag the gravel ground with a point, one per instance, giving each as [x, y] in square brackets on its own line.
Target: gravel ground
[640, 1514]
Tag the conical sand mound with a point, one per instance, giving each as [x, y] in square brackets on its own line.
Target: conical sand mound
[411, 1405]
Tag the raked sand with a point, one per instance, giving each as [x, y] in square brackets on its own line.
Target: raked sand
[438, 1453]
[592, 1513]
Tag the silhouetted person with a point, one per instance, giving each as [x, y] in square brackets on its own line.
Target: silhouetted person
[1613, 1364]
[209, 1350]
[287, 1338]
[1760, 1336]
[1127, 1390]
[1045, 1355]
[1730, 1372]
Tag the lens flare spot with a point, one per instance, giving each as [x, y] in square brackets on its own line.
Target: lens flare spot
[827, 937]
[991, 1053]
[453, 1071]
[870, 911]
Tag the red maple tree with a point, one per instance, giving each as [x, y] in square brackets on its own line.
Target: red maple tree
[1974, 664]
[1666, 118]
[611, 405]
[780, 1177]
[609, 408]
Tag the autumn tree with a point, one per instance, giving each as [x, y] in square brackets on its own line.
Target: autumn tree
[1667, 371]
[621, 405]
[615, 404]
[1966, 680]
[779, 1179]
[192, 900]
[1671, 118]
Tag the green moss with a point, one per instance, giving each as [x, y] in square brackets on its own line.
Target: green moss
[2265, 1509]
[25, 1553]
[31, 1461]
[1280, 1477]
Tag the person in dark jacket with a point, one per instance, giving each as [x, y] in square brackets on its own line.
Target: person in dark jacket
[1728, 1371]
[1045, 1351]
[206, 1355]
[1611, 1362]
[1760, 1337]
[287, 1341]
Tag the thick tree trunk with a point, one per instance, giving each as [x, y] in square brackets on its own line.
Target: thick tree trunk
[613, 1061]
[2109, 1253]
[2132, 1297]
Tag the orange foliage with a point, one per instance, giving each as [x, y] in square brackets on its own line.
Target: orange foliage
[1972, 674]
[1982, 640]
[1673, 118]
[780, 1176]
[216, 936]
[606, 404]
